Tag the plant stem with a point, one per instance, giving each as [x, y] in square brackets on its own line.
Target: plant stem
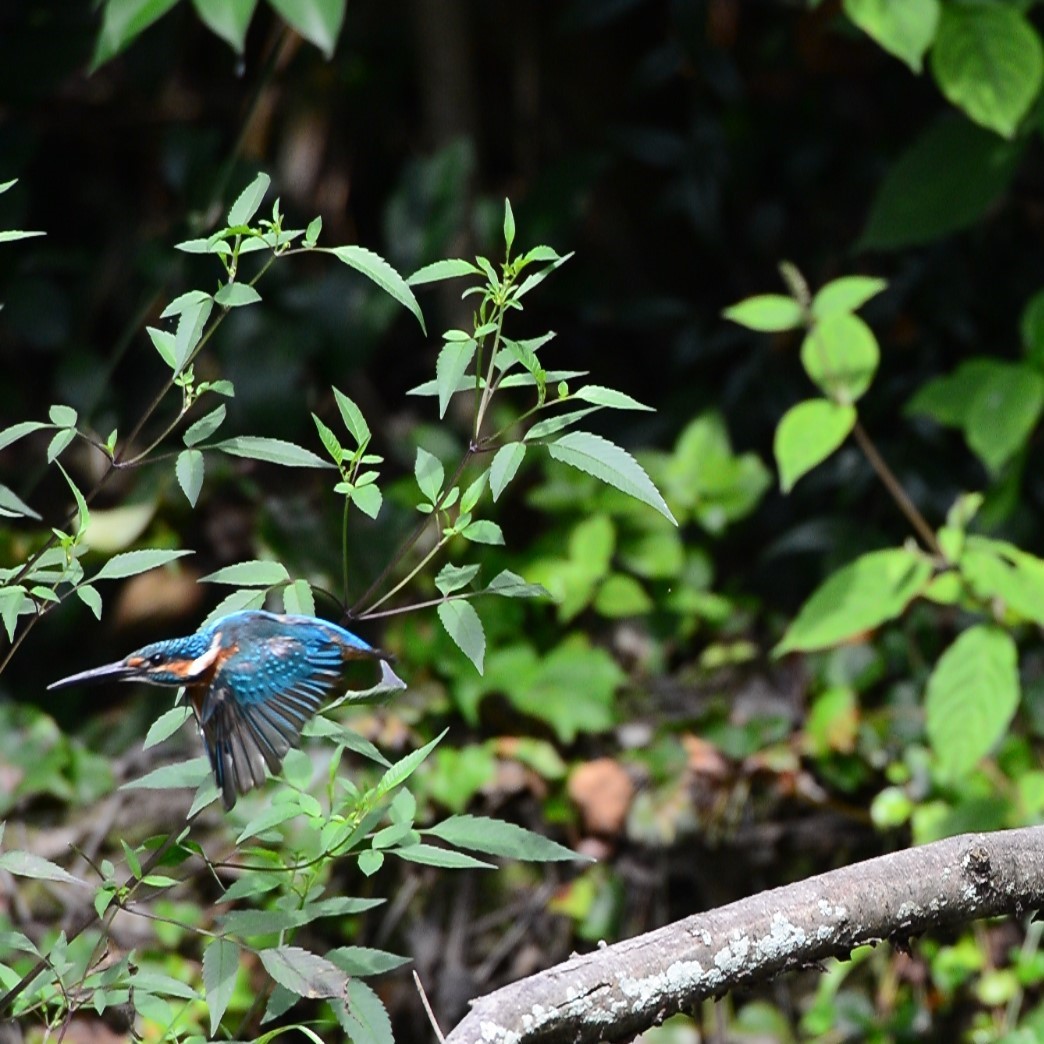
[895, 488]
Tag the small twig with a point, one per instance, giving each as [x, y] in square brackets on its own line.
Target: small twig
[427, 1008]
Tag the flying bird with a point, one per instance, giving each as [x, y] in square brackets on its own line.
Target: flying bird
[254, 679]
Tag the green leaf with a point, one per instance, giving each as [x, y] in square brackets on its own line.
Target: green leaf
[846, 294]
[452, 578]
[448, 268]
[131, 563]
[363, 1017]
[1001, 574]
[506, 462]
[353, 418]
[272, 451]
[59, 444]
[495, 837]
[63, 416]
[988, 61]
[1004, 411]
[615, 400]
[365, 960]
[368, 499]
[972, 696]
[1031, 327]
[241, 598]
[474, 492]
[450, 368]
[220, 967]
[768, 313]
[12, 505]
[183, 302]
[509, 227]
[166, 725]
[163, 342]
[946, 181]
[807, 434]
[553, 425]
[26, 864]
[484, 532]
[840, 356]
[19, 430]
[172, 777]
[463, 625]
[122, 21]
[256, 573]
[190, 329]
[248, 201]
[429, 473]
[904, 28]
[609, 463]
[304, 973]
[11, 235]
[376, 268]
[298, 599]
[189, 470]
[510, 585]
[432, 855]
[405, 767]
[236, 295]
[228, 19]
[620, 596]
[205, 426]
[860, 596]
[90, 598]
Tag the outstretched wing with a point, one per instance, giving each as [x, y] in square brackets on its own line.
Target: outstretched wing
[258, 701]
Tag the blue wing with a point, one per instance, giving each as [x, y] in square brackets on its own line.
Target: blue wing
[271, 676]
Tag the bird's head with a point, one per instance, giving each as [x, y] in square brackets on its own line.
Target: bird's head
[178, 661]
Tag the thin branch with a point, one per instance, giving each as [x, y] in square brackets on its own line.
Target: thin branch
[618, 991]
[427, 1008]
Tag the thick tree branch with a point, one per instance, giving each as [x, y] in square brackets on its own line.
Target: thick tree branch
[620, 990]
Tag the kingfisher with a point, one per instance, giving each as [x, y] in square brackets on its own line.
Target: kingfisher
[254, 679]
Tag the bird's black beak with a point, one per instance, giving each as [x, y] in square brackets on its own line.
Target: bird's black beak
[118, 671]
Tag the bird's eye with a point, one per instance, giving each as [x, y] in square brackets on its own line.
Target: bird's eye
[156, 659]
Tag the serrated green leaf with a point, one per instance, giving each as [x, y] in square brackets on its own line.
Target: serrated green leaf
[847, 294]
[204, 427]
[163, 342]
[236, 295]
[860, 596]
[241, 598]
[189, 470]
[767, 313]
[495, 837]
[272, 451]
[553, 425]
[190, 329]
[429, 473]
[447, 268]
[989, 62]
[298, 599]
[131, 563]
[228, 19]
[166, 725]
[12, 505]
[374, 267]
[255, 573]
[63, 416]
[611, 464]
[59, 443]
[318, 21]
[248, 201]
[368, 499]
[90, 598]
[463, 625]
[27, 864]
[506, 462]
[19, 430]
[483, 532]
[450, 368]
[365, 960]
[452, 578]
[972, 696]
[183, 302]
[220, 967]
[353, 418]
[432, 855]
[610, 397]
[807, 434]
[304, 973]
[188, 773]
[510, 585]
[362, 1016]
[405, 767]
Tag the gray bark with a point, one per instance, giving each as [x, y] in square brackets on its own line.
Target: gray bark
[617, 991]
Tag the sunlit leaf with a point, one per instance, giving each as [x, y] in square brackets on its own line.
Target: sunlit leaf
[450, 367]
[255, 573]
[131, 563]
[272, 451]
[506, 462]
[447, 268]
[220, 967]
[248, 201]
[353, 417]
[189, 469]
[463, 625]
[228, 19]
[430, 474]
[166, 725]
[376, 268]
[26, 864]
[496, 837]
[236, 295]
[304, 973]
[122, 21]
[204, 427]
[807, 434]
